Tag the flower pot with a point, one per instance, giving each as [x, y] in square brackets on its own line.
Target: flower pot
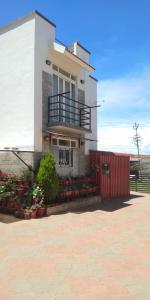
[83, 192]
[16, 205]
[25, 183]
[10, 204]
[27, 215]
[68, 193]
[19, 192]
[76, 193]
[33, 214]
[21, 214]
[41, 212]
[17, 214]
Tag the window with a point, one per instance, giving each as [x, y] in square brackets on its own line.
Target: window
[54, 141]
[55, 67]
[73, 144]
[67, 110]
[66, 157]
[64, 143]
[65, 150]
[63, 72]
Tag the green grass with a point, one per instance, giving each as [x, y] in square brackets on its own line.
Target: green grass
[140, 185]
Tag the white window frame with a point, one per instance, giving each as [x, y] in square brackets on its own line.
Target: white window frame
[66, 139]
[70, 81]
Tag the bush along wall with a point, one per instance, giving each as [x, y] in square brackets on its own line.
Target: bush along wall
[47, 177]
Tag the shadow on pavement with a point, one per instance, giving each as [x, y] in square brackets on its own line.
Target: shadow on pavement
[7, 219]
[107, 205]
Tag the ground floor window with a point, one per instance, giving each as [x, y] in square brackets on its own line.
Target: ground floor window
[66, 157]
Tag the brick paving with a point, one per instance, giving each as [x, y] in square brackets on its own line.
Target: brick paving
[101, 252]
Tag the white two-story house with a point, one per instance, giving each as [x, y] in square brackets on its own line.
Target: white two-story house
[47, 98]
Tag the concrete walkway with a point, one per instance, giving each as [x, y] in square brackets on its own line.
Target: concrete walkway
[99, 253]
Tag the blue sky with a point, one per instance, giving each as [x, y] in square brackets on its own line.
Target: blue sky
[117, 34]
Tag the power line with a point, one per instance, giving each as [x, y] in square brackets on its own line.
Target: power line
[136, 138]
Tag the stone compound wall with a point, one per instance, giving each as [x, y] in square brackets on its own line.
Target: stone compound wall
[9, 163]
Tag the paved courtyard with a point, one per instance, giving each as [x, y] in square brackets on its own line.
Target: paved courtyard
[99, 253]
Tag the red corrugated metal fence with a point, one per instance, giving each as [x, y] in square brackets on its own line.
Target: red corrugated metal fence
[111, 171]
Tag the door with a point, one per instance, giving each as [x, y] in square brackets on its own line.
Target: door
[66, 110]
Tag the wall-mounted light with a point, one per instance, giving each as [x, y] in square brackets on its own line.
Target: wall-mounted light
[82, 81]
[48, 62]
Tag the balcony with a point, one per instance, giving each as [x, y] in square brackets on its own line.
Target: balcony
[68, 114]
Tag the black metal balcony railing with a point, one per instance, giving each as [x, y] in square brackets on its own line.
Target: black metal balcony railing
[69, 112]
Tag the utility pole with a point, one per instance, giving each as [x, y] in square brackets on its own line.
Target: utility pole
[136, 140]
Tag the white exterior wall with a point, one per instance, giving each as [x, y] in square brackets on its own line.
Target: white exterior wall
[23, 54]
[17, 86]
[80, 52]
[44, 38]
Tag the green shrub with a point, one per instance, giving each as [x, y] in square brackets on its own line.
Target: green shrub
[47, 176]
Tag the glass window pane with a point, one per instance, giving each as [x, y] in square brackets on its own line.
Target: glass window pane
[64, 72]
[73, 144]
[64, 143]
[67, 157]
[54, 141]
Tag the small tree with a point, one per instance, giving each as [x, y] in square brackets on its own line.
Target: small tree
[47, 177]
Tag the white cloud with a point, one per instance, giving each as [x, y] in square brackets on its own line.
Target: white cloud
[133, 90]
[127, 100]
[121, 139]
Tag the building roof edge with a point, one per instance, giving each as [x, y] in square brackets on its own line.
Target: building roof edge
[22, 20]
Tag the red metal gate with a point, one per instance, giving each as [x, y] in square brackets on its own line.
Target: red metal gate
[111, 171]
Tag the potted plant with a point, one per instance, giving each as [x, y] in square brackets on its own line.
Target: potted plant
[27, 213]
[41, 210]
[33, 211]
[17, 213]
[21, 213]
[38, 200]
